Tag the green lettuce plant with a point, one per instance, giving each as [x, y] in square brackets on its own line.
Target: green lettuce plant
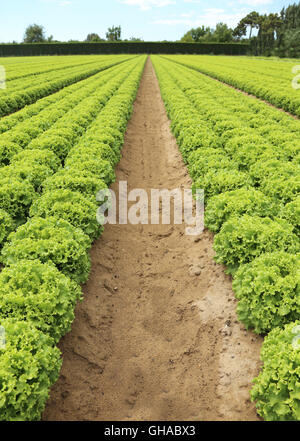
[29, 366]
[291, 212]
[97, 167]
[39, 293]
[276, 390]
[242, 239]
[42, 157]
[268, 290]
[27, 173]
[55, 143]
[86, 184]
[6, 226]
[71, 206]
[53, 240]
[238, 202]
[7, 151]
[217, 181]
[16, 196]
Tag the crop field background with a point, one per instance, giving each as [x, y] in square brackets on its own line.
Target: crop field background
[142, 322]
[269, 79]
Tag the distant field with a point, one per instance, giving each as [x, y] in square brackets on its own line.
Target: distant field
[24, 66]
[269, 79]
[28, 79]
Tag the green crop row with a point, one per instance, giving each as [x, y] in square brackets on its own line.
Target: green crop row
[29, 81]
[21, 180]
[28, 133]
[25, 91]
[270, 80]
[25, 67]
[42, 108]
[47, 257]
[251, 181]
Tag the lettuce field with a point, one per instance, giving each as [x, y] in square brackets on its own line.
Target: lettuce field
[63, 124]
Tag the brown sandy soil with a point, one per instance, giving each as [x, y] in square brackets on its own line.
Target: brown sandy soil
[156, 337]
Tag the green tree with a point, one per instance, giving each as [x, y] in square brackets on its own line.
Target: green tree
[187, 38]
[34, 34]
[222, 33]
[196, 34]
[93, 37]
[288, 32]
[291, 43]
[114, 33]
[269, 29]
[252, 20]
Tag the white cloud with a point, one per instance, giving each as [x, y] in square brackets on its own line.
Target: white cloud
[210, 17]
[241, 2]
[188, 14]
[144, 5]
[255, 2]
[58, 2]
[172, 21]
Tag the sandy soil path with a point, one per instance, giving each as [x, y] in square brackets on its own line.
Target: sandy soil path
[156, 337]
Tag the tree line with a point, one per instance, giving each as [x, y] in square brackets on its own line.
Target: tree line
[276, 34]
[36, 34]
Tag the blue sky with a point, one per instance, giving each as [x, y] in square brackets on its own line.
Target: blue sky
[151, 20]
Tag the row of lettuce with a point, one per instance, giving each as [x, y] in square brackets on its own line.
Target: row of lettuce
[44, 111]
[24, 129]
[25, 91]
[271, 80]
[245, 155]
[51, 186]
[22, 67]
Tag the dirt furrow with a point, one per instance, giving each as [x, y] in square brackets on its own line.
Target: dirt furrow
[156, 337]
